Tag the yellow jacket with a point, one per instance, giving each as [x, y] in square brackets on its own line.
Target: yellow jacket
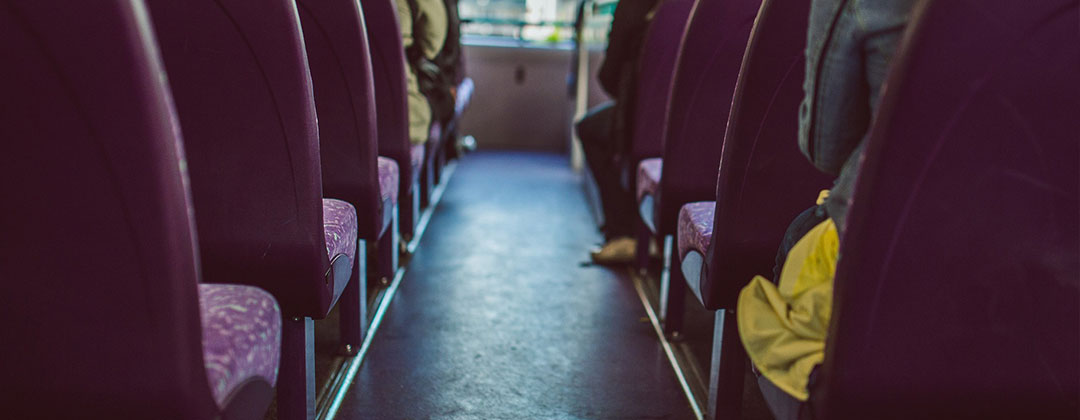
[783, 328]
[430, 32]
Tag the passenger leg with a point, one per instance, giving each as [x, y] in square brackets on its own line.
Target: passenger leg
[596, 142]
[617, 203]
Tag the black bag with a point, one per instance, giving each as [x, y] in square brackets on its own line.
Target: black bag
[437, 77]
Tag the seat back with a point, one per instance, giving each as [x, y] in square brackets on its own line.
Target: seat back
[705, 75]
[239, 74]
[956, 295]
[764, 181]
[97, 254]
[337, 49]
[656, 74]
[388, 65]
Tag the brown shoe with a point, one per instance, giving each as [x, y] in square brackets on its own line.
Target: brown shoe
[616, 251]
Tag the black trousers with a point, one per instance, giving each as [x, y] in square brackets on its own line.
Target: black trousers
[596, 131]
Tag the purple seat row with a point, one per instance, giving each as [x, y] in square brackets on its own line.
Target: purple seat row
[212, 174]
[946, 144]
[388, 70]
[762, 183]
[697, 104]
[730, 137]
[101, 266]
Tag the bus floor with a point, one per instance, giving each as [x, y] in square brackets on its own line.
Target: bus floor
[497, 317]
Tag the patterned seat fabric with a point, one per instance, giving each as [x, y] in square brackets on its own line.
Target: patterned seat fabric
[388, 179]
[648, 178]
[695, 227]
[434, 134]
[464, 96]
[416, 156]
[241, 336]
[339, 228]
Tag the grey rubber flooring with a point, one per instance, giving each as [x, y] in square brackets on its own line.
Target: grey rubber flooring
[496, 318]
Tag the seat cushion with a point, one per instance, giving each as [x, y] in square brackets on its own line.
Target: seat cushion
[464, 96]
[416, 156]
[645, 210]
[241, 337]
[648, 177]
[339, 228]
[434, 135]
[388, 179]
[695, 227]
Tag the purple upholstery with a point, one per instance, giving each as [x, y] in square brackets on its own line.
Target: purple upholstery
[695, 227]
[99, 269]
[956, 293]
[388, 64]
[339, 227]
[243, 92]
[416, 153]
[464, 96]
[764, 181]
[241, 336]
[700, 100]
[341, 75]
[388, 179]
[655, 77]
[648, 177]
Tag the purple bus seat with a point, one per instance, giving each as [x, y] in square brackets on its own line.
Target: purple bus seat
[764, 180]
[700, 99]
[655, 79]
[648, 182]
[708, 66]
[339, 229]
[762, 184]
[386, 257]
[341, 74]
[388, 182]
[100, 270]
[241, 336]
[655, 76]
[242, 86]
[388, 65]
[417, 151]
[695, 234]
[957, 290]
[464, 97]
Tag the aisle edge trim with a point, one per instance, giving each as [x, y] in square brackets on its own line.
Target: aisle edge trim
[679, 375]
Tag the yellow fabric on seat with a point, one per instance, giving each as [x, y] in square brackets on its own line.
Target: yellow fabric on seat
[822, 196]
[783, 328]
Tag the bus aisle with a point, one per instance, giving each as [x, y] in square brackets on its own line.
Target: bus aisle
[497, 318]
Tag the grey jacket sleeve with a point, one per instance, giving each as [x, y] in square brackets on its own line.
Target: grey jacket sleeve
[850, 45]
